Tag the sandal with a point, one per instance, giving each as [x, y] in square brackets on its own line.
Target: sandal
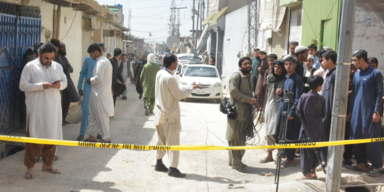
[87, 140]
[29, 175]
[52, 170]
[104, 141]
[243, 169]
[285, 164]
[374, 173]
[266, 160]
[355, 168]
[80, 138]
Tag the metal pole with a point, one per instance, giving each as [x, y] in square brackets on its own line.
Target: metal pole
[198, 20]
[340, 100]
[193, 23]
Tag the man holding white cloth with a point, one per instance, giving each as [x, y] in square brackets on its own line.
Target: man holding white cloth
[167, 114]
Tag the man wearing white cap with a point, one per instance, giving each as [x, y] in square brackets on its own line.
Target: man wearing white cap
[301, 53]
[310, 71]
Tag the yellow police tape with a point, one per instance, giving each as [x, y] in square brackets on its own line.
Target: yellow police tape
[183, 147]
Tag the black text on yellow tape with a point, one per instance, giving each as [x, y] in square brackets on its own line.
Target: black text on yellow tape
[183, 147]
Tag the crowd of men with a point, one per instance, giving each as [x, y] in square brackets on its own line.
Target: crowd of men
[309, 74]
[260, 82]
[49, 89]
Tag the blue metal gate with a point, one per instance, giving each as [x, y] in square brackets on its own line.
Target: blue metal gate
[20, 28]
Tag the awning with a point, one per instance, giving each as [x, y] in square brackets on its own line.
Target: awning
[214, 18]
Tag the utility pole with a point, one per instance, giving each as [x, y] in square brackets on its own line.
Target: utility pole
[198, 20]
[193, 24]
[340, 99]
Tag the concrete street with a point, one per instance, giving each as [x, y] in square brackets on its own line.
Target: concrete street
[94, 169]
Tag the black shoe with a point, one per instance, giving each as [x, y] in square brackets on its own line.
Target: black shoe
[140, 96]
[99, 136]
[161, 167]
[124, 98]
[174, 172]
[347, 162]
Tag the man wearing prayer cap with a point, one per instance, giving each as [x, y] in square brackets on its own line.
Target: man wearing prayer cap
[301, 53]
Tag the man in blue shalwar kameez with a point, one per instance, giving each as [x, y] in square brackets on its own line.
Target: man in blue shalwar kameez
[366, 103]
[329, 63]
[85, 90]
[295, 84]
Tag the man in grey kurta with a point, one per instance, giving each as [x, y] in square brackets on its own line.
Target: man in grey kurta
[241, 91]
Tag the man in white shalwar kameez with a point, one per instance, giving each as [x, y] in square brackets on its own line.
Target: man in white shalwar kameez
[41, 80]
[167, 114]
[100, 100]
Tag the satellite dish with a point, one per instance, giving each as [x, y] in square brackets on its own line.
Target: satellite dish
[172, 40]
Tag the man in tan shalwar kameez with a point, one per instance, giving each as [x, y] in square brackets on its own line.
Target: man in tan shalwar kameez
[167, 114]
[241, 91]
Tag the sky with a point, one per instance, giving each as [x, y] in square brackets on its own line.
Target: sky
[153, 16]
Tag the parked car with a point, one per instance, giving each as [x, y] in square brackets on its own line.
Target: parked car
[204, 74]
[188, 57]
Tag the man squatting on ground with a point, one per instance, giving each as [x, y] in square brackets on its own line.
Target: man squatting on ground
[101, 105]
[167, 114]
[41, 80]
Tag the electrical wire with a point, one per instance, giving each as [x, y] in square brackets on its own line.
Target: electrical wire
[70, 27]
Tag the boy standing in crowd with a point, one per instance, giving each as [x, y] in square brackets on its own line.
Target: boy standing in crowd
[312, 108]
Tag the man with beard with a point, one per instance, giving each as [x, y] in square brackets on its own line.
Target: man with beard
[139, 87]
[69, 94]
[241, 90]
[261, 89]
[115, 74]
[41, 80]
[301, 53]
[295, 84]
[292, 48]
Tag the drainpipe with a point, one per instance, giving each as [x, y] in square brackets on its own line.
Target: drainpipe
[54, 23]
[58, 21]
[340, 99]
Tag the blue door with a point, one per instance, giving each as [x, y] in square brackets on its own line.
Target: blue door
[20, 28]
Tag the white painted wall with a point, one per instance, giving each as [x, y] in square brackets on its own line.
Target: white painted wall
[235, 41]
[111, 42]
[296, 24]
[369, 32]
[73, 40]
